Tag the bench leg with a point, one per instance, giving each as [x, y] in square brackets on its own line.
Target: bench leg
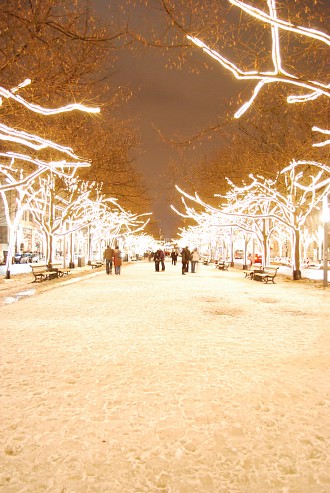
[266, 279]
[39, 277]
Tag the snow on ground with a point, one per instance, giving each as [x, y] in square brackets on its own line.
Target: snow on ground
[162, 383]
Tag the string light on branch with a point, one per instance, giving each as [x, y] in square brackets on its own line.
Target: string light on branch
[11, 94]
[322, 131]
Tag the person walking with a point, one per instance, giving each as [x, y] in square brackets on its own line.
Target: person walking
[117, 260]
[108, 256]
[162, 259]
[157, 260]
[174, 257]
[189, 258]
[185, 257]
[195, 257]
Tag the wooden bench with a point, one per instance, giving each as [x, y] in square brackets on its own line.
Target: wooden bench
[254, 269]
[43, 273]
[95, 264]
[221, 265]
[268, 274]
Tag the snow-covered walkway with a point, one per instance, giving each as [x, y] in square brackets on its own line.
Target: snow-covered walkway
[162, 383]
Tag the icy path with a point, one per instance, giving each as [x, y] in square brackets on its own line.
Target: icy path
[161, 383]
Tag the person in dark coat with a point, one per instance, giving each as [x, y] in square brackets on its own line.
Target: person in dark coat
[157, 260]
[174, 257]
[162, 259]
[185, 257]
[108, 256]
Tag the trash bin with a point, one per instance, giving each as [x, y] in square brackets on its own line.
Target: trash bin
[81, 261]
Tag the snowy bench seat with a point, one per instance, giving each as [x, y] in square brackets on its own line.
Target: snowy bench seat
[43, 273]
[268, 274]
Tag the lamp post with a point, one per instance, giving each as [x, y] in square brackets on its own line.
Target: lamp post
[325, 217]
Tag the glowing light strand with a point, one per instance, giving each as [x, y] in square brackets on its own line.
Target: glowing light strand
[11, 94]
[322, 131]
[32, 141]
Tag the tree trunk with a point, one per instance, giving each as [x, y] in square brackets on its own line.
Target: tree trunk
[49, 248]
[296, 259]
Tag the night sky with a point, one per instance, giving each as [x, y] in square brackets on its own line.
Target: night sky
[180, 105]
[177, 103]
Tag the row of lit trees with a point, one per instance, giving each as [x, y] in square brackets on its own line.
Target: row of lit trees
[70, 53]
[60, 203]
[261, 213]
[264, 207]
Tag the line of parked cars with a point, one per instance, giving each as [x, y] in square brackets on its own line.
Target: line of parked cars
[25, 258]
[239, 254]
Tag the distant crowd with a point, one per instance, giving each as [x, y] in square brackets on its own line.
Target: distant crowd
[188, 259]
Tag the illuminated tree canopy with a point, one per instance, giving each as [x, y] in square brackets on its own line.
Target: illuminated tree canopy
[304, 182]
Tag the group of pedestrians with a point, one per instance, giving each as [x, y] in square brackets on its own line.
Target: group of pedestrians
[189, 257]
[112, 257]
[159, 259]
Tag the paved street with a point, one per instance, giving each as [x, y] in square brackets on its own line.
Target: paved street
[162, 383]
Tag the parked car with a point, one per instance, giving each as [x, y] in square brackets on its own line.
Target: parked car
[239, 254]
[31, 257]
[25, 258]
[17, 258]
[257, 258]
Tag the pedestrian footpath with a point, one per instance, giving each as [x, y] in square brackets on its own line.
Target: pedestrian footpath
[156, 382]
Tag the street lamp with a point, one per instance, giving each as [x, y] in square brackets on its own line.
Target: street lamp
[325, 218]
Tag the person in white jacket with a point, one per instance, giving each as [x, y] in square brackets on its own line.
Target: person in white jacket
[195, 257]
